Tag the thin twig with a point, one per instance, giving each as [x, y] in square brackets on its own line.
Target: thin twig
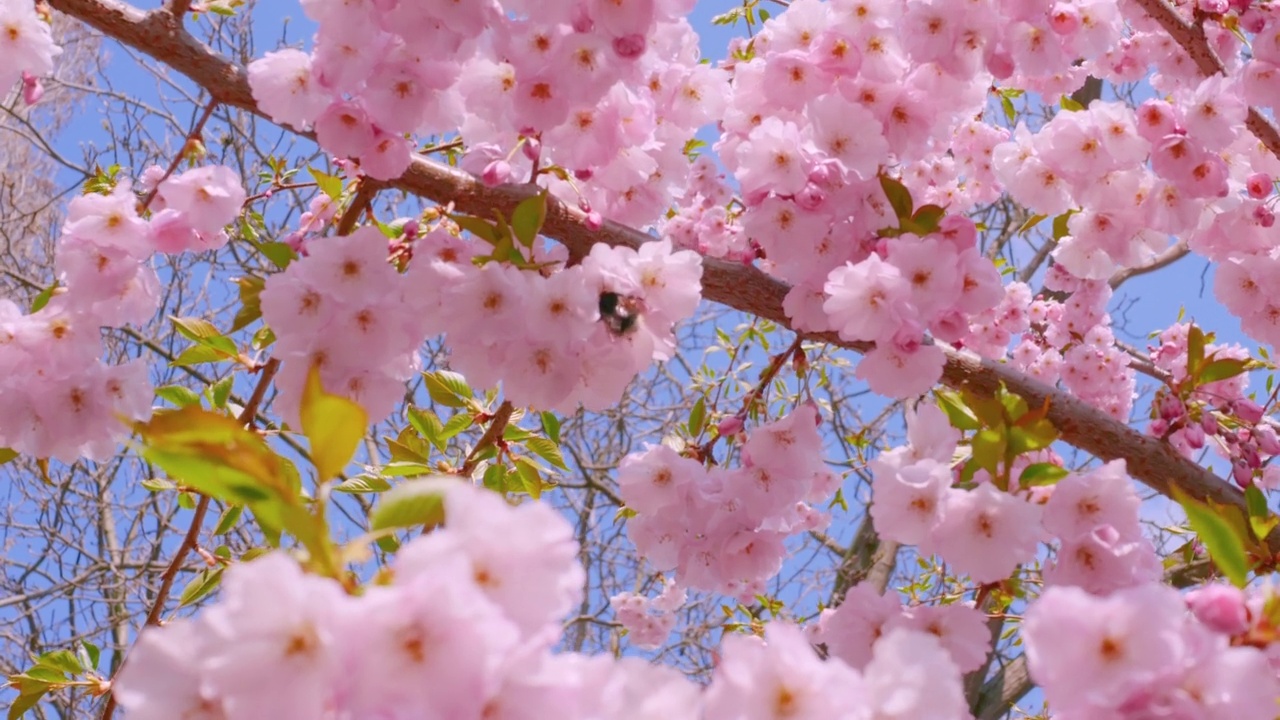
[191, 539]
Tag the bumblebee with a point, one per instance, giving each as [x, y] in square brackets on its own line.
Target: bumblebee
[620, 313]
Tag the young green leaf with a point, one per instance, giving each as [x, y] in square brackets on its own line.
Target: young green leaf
[333, 424]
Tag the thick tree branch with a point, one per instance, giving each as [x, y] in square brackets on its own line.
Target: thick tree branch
[746, 289]
[1190, 36]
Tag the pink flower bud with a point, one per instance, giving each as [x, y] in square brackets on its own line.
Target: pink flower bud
[1158, 427]
[731, 425]
[1212, 7]
[32, 90]
[1267, 440]
[1248, 411]
[532, 149]
[1241, 473]
[1259, 185]
[1209, 423]
[594, 221]
[1000, 65]
[811, 197]
[1263, 216]
[1220, 608]
[584, 174]
[497, 173]
[1064, 19]
[629, 47]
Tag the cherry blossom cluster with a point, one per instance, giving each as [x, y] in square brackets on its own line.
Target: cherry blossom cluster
[980, 532]
[986, 533]
[1218, 413]
[1128, 179]
[648, 621]
[723, 529]
[910, 676]
[1103, 549]
[344, 308]
[1139, 653]
[703, 222]
[850, 630]
[574, 336]
[830, 95]
[464, 628]
[544, 336]
[1068, 341]
[61, 400]
[27, 48]
[608, 91]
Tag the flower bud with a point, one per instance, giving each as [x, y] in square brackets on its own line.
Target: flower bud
[1220, 608]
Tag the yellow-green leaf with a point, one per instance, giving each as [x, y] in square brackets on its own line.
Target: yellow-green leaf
[214, 454]
[1226, 548]
[333, 424]
[414, 503]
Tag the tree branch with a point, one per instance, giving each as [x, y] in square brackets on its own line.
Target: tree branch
[191, 539]
[743, 288]
[1190, 36]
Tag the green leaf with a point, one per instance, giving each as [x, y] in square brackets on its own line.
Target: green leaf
[428, 426]
[363, 484]
[333, 424]
[402, 468]
[1060, 228]
[958, 413]
[447, 388]
[547, 450]
[91, 654]
[1261, 521]
[1010, 112]
[198, 354]
[530, 478]
[1195, 350]
[1041, 474]
[229, 518]
[1069, 103]
[178, 395]
[250, 305]
[455, 425]
[527, 218]
[1030, 437]
[43, 298]
[697, 416]
[495, 478]
[220, 391]
[988, 449]
[1216, 370]
[278, 253]
[62, 660]
[7, 455]
[195, 329]
[899, 197]
[1030, 223]
[159, 484]
[330, 185]
[205, 582]
[214, 454]
[1226, 548]
[482, 229]
[416, 503]
[551, 426]
[27, 699]
[927, 218]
